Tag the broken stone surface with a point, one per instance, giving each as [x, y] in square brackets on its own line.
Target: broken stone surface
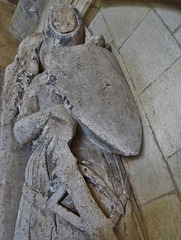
[75, 185]
[64, 20]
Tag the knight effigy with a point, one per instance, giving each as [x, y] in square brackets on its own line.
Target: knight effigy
[69, 113]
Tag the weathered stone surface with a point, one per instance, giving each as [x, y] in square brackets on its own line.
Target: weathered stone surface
[123, 18]
[98, 26]
[148, 172]
[99, 99]
[162, 218]
[149, 51]
[171, 14]
[161, 102]
[175, 166]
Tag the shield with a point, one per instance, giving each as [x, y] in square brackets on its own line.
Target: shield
[92, 86]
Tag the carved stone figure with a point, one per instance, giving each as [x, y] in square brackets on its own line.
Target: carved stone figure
[78, 114]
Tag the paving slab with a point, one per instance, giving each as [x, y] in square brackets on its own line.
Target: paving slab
[149, 51]
[161, 102]
[98, 26]
[162, 218]
[175, 166]
[170, 13]
[122, 18]
[148, 172]
[178, 36]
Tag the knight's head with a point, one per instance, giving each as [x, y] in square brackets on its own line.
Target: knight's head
[63, 26]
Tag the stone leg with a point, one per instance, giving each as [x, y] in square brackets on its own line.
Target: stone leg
[92, 219]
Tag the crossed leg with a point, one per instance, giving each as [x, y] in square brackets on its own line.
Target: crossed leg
[92, 219]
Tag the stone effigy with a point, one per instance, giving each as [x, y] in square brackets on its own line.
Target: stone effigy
[71, 107]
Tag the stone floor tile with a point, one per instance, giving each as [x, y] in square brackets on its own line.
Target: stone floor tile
[163, 218]
[149, 51]
[8, 44]
[122, 18]
[171, 14]
[161, 101]
[175, 166]
[178, 36]
[98, 26]
[148, 172]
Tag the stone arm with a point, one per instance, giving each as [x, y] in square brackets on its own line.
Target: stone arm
[38, 106]
[31, 120]
[18, 76]
[29, 53]
[30, 127]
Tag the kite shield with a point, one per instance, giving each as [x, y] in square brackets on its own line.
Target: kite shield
[92, 86]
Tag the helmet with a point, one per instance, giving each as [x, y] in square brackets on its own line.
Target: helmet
[63, 27]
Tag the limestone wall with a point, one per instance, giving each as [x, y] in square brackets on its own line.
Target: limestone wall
[146, 38]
